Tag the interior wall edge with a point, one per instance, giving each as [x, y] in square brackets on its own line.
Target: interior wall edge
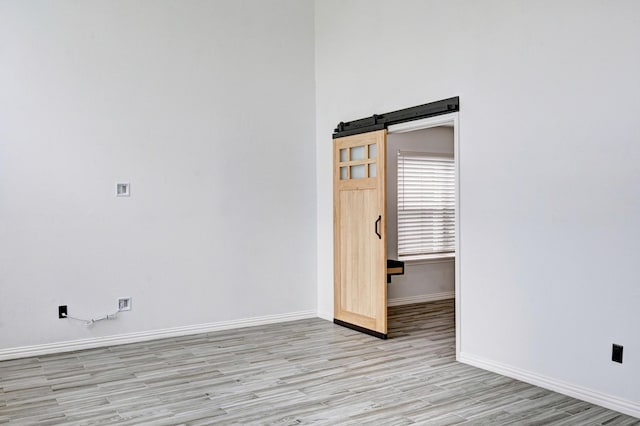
[611, 402]
[325, 315]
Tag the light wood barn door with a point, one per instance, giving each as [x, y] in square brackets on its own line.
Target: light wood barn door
[360, 242]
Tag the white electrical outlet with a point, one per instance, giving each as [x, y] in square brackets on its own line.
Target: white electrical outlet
[124, 304]
[123, 190]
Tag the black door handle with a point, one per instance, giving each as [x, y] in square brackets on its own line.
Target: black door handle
[376, 227]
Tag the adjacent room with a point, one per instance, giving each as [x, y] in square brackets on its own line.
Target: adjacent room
[167, 225]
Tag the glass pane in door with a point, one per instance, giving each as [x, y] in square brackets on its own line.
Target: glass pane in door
[358, 153]
[358, 172]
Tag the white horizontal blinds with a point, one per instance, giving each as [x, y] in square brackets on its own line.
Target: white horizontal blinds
[426, 204]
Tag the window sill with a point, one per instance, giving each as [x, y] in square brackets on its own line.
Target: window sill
[434, 258]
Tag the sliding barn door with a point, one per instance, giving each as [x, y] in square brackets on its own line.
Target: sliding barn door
[360, 242]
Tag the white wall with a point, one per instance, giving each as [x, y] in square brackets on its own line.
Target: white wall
[423, 279]
[207, 109]
[550, 201]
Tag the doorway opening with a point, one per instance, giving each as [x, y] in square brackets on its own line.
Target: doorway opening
[363, 261]
[436, 263]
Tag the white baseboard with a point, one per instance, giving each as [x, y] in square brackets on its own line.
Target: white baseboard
[421, 298]
[585, 394]
[121, 339]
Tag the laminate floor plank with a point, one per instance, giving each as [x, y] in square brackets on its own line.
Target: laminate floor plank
[301, 372]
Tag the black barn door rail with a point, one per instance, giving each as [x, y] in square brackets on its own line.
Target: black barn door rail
[383, 121]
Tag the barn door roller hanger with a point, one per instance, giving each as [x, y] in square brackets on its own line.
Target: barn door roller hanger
[382, 121]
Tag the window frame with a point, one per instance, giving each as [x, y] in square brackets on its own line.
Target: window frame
[427, 257]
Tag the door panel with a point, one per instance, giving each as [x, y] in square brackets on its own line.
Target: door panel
[360, 243]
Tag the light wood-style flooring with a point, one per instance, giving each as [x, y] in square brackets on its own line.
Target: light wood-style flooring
[300, 372]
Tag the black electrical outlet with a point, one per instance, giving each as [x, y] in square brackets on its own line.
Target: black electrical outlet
[616, 353]
[62, 311]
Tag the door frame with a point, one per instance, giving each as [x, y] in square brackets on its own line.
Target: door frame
[451, 119]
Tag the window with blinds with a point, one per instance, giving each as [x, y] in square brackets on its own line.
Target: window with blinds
[426, 205]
